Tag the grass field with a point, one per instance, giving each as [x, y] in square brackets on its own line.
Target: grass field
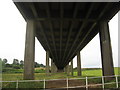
[40, 75]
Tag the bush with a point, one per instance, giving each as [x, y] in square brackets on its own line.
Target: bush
[40, 71]
[11, 70]
[9, 65]
[6, 69]
[16, 67]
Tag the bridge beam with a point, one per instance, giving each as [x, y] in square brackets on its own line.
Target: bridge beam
[78, 63]
[106, 50]
[47, 63]
[29, 50]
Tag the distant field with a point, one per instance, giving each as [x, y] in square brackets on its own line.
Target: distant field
[95, 72]
[40, 75]
[10, 70]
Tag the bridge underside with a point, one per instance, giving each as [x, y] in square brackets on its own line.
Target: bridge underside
[65, 28]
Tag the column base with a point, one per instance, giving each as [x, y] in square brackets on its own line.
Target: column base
[60, 70]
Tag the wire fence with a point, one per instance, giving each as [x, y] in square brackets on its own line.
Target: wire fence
[84, 82]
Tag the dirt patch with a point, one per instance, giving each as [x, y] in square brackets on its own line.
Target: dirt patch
[56, 84]
[63, 83]
[73, 83]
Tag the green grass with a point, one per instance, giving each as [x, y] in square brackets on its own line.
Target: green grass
[10, 70]
[90, 73]
[40, 76]
[95, 72]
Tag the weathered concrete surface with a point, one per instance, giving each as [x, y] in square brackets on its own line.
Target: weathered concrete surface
[106, 51]
[47, 63]
[72, 68]
[53, 67]
[65, 69]
[78, 64]
[29, 50]
[68, 69]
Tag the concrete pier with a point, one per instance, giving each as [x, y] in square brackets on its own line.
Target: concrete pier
[29, 50]
[47, 63]
[79, 64]
[106, 51]
[72, 68]
[53, 67]
[65, 69]
[68, 69]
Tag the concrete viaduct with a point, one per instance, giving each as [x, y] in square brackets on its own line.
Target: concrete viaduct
[64, 29]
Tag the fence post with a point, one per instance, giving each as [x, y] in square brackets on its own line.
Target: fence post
[86, 83]
[67, 82]
[103, 82]
[44, 83]
[116, 81]
[16, 84]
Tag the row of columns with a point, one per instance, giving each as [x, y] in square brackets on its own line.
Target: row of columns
[106, 52]
[53, 66]
[69, 68]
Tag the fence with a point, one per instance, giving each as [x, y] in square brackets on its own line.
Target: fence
[86, 82]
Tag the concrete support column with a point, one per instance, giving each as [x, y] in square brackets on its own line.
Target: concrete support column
[72, 68]
[29, 50]
[52, 66]
[106, 51]
[47, 63]
[68, 70]
[78, 64]
[65, 69]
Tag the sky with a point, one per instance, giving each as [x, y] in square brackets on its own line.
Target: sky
[12, 39]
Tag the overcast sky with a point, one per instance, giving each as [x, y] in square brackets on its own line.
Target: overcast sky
[12, 39]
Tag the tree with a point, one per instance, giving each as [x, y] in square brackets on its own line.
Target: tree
[41, 65]
[15, 61]
[8, 65]
[5, 60]
[0, 64]
[36, 64]
[16, 66]
[21, 62]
